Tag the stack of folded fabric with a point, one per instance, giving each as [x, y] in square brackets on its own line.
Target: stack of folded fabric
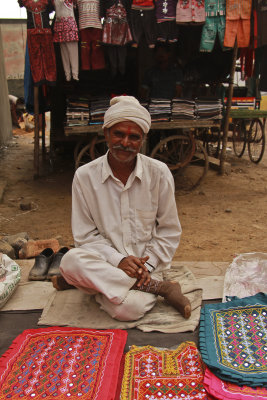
[208, 109]
[98, 107]
[183, 109]
[239, 103]
[77, 113]
[233, 344]
[160, 109]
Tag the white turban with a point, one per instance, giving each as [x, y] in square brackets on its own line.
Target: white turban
[127, 108]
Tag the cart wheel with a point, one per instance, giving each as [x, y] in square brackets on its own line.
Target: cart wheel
[212, 141]
[98, 147]
[256, 140]
[83, 156]
[175, 151]
[78, 147]
[239, 137]
[191, 175]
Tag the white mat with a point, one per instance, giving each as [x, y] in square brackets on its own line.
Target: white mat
[30, 296]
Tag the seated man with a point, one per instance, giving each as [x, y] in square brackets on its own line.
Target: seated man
[124, 221]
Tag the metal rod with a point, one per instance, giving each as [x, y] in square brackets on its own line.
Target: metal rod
[36, 132]
[227, 113]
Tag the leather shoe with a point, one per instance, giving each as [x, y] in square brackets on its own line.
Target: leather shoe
[54, 266]
[41, 265]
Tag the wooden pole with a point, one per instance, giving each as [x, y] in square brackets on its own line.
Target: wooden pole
[227, 113]
[36, 132]
[43, 134]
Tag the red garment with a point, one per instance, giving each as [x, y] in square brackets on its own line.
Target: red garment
[92, 55]
[42, 56]
[246, 58]
[40, 43]
[116, 29]
[143, 4]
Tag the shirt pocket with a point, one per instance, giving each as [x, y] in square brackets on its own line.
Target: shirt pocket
[145, 222]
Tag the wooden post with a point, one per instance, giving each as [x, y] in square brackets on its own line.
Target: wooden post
[43, 134]
[227, 113]
[36, 132]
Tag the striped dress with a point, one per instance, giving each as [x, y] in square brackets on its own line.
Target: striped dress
[89, 14]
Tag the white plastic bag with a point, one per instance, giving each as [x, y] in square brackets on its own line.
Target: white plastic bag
[9, 278]
[246, 275]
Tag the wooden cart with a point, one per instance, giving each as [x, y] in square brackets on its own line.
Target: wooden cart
[174, 142]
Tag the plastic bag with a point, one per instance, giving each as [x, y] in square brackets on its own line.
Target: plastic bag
[9, 278]
[246, 275]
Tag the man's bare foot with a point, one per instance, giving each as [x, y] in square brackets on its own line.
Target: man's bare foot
[59, 283]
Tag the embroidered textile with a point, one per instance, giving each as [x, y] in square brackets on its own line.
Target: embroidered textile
[151, 373]
[233, 339]
[223, 390]
[62, 363]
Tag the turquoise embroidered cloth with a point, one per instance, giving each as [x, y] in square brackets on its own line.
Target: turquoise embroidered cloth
[233, 339]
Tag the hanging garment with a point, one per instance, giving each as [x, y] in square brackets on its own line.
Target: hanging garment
[116, 56]
[215, 24]
[116, 34]
[142, 4]
[238, 13]
[90, 26]
[66, 34]
[143, 22]
[165, 10]
[89, 14]
[233, 340]
[40, 42]
[65, 27]
[167, 30]
[92, 54]
[116, 29]
[190, 11]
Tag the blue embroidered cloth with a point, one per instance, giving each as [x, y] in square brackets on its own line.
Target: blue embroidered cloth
[233, 339]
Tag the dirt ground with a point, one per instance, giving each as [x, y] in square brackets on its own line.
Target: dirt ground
[224, 217]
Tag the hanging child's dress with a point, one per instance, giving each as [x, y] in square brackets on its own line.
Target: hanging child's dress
[40, 43]
[66, 33]
[90, 26]
[116, 35]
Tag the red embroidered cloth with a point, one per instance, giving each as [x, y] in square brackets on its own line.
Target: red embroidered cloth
[151, 374]
[62, 363]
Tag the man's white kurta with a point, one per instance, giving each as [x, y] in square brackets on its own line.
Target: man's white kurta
[137, 219]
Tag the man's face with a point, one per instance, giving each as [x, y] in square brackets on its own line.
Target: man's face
[124, 140]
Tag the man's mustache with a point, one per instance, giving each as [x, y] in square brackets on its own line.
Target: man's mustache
[119, 147]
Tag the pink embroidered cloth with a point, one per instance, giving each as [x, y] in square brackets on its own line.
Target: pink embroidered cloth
[223, 390]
